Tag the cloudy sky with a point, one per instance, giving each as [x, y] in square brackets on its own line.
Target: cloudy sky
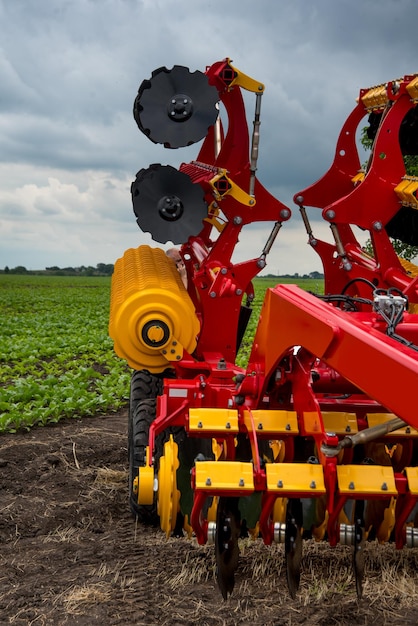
[70, 70]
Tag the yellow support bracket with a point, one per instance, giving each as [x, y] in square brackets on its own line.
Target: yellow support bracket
[223, 186]
[358, 178]
[375, 98]
[295, 478]
[412, 89]
[366, 480]
[374, 419]
[406, 191]
[339, 423]
[212, 218]
[246, 82]
[224, 476]
[143, 484]
[213, 420]
[412, 476]
[277, 422]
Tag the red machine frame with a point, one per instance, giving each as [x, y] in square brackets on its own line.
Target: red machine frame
[310, 357]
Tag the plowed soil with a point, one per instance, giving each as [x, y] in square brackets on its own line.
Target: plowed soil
[71, 553]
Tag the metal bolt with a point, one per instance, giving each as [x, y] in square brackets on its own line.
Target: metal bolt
[351, 485]
[377, 226]
[238, 292]
[280, 484]
[284, 213]
[408, 430]
[199, 425]
[213, 294]
[251, 201]
[261, 263]
[384, 487]
[313, 485]
[260, 426]
[237, 220]
[288, 427]
[208, 482]
[299, 199]
[330, 214]
[228, 425]
[241, 482]
[224, 270]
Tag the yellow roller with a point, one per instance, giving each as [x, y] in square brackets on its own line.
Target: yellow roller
[152, 318]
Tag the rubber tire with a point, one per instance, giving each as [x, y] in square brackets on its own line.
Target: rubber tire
[142, 419]
[145, 387]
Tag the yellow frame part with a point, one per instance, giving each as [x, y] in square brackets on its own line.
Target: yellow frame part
[366, 480]
[213, 420]
[224, 476]
[340, 423]
[374, 419]
[277, 422]
[295, 478]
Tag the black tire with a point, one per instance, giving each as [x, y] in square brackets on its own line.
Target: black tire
[145, 387]
[142, 419]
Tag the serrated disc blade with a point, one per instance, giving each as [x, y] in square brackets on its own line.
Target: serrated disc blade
[167, 204]
[176, 107]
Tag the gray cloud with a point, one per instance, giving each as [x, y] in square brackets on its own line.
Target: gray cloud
[70, 70]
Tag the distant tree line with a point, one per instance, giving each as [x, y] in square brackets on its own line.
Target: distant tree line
[101, 269]
[316, 275]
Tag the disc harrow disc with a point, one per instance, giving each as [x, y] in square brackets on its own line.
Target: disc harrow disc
[358, 549]
[293, 545]
[226, 544]
[168, 204]
[176, 107]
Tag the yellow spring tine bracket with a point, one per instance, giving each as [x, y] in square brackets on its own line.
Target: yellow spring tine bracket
[223, 186]
[244, 81]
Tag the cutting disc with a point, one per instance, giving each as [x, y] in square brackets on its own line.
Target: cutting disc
[226, 543]
[176, 107]
[168, 204]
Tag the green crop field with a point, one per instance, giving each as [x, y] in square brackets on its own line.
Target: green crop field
[56, 359]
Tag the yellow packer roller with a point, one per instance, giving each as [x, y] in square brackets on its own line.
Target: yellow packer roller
[152, 318]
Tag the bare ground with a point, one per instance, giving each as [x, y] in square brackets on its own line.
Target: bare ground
[70, 552]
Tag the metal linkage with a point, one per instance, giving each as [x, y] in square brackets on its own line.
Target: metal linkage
[255, 143]
[364, 436]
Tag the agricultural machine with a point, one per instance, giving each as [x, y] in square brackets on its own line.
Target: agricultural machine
[317, 436]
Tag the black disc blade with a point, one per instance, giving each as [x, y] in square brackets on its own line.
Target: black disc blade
[168, 204]
[359, 543]
[226, 544]
[293, 545]
[176, 107]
